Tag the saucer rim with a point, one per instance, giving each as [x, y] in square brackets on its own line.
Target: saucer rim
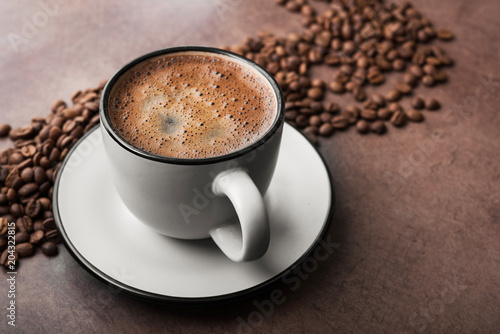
[174, 300]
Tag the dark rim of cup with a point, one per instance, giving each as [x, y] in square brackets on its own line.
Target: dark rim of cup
[106, 121]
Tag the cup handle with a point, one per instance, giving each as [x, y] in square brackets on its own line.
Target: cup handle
[250, 240]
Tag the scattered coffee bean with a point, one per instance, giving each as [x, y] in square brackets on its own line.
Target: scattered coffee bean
[4, 130]
[417, 102]
[25, 249]
[393, 95]
[403, 88]
[339, 122]
[49, 248]
[445, 34]
[5, 260]
[398, 118]
[22, 237]
[428, 80]
[53, 236]
[432, 104]
[369, 114]
[410, 79]
[414, 115]
[336, 87]
[326, 130]
[315, 93]
[384, 114]
[4, 226]
[36, 237]
[362, 126]
[378, 127]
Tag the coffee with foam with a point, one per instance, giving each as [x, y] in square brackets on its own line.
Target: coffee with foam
[192, 105]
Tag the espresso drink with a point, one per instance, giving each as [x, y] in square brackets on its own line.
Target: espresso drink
[192, 105]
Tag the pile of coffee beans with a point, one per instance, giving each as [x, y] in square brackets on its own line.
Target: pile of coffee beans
[364, 41]
[28, 171]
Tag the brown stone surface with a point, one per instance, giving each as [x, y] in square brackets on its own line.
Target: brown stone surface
[420, 253]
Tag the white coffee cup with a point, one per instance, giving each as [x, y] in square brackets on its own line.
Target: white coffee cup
[219, 197]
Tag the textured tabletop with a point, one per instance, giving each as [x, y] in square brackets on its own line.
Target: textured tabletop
[417, 210]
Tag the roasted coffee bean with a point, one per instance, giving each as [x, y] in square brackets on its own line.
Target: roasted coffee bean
[410, 79]
[384, 114]
[315, 93]
[39, 175]
[432, 104]
[38, 225]
[49, 224]
[394, 106]
[339, 122]
[398, 64]
[377, 99]
[378, 127]
[16, 158]
[417, 102]
[375, 78]
[428, 80]
[28, 189]
[362, 126]
[359, 93]
[429, 69]
[11, 195]
[25, 249]
[440, 76]
[416, 71]
[33, 208]
[5, 260]
[16, 210]
[302, 121]
[326, 130]
[36, 237]
[398, 118]
[318, 83]
[414, 115]
[325, 117]
[313, 129]
[24, 224]
[28, 151]
[315, 120]
[58, 105]
[4, 130]
[27, 175]
[45, 163]
[403, 88]
[4, 210]
[4, 225]
[351, 113]
[49, 248]
[55, 155]
[393, 95]
[336, 87]
[52, 236]
[368, 114]
[45, 188]
[291, 115]
[445, 34]
[21, 237]
[4, 172]
[22, 133]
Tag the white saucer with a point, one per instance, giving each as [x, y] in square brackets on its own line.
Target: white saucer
[114, 246]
